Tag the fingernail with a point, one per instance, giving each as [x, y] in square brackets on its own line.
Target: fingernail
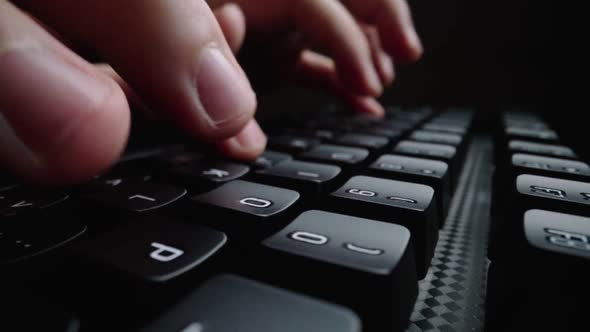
[223, 94]
[42, 98]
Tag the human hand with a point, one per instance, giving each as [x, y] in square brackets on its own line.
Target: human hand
[348, 47]
[63, 119]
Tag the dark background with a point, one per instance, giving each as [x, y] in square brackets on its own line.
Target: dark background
[491, 55]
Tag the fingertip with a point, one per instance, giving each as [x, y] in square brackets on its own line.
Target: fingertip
[366, 104]
[248, 144]
[232, 21]
[371, 106]
[415, 48]
[386, 69]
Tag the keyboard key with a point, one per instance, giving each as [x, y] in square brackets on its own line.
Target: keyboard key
[305, 177]
[435, 137]
[392, 134]
[270, 158]
[229, 303]
[17, 202]
[543, 135]
[321, 247]
[564, 234]
[550, 150]
[562, 168]
[335, 154]
[408, 204]
[135, 197]
[432, 173]
[536, 192]
[541, 272]
[176, 157]
[292, 144]
[553, 190]
[7, 182]
[445, 128]
[246, 208]
[428, 150]
[362, 140]
[209, 173]
[154, 249]
[119, 176]
[442, 152]
[27, 238]
[322, 134]
[395, 124]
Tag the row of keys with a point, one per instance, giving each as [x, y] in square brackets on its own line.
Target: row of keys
[346, 211]
[540, 229]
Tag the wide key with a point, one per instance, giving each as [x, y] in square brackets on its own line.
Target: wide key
[228, 303]
[375, 259]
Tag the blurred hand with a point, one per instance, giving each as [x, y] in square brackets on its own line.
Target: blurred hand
[63, 119]
[348, 47]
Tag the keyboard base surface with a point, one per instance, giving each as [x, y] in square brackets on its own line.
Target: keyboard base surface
[452, 296]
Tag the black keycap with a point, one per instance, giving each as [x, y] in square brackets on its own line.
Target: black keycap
[542, 271]
[322, 134]
[374, 258]
[445, 128]
[428, 150]
[409, 204]
[209, 173]
[562, 168]
[392, 134]
[442, 152]
[229, 303]
[433, 173]
[362, 140]
[535, 192]
[270, 158]
[543, 135]
[175, 158]
[520, 116]
[7, 182]
[118, 177]
[26, 238]
[15, 202]
[154, 248]
[395, 124]
[530, 124]
[246, 208]
[452, 123]
[135, 197]
[292, 144]
[335, 154]
[305, 177]
[529, 121]
[553, 191]
[436, 137]
[551, 150]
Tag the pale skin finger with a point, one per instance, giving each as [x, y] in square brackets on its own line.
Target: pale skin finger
[55, 108]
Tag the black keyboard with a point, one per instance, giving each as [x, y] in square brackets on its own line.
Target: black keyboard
[346, 223]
